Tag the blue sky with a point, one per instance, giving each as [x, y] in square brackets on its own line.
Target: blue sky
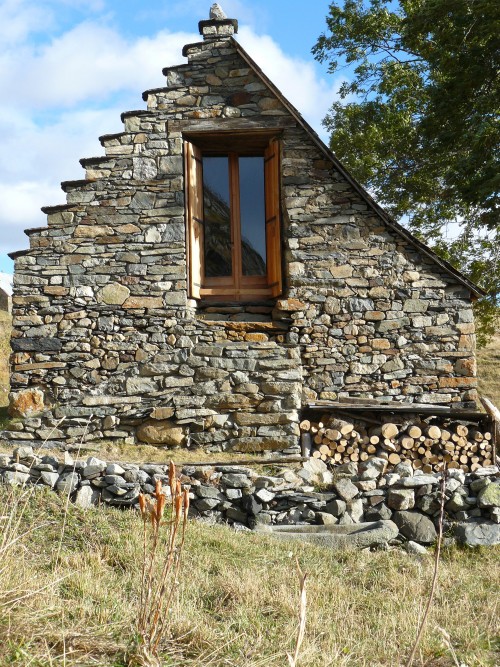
[68, 68]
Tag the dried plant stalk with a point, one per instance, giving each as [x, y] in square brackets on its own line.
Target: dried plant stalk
[292, 660]
[159, 568]
[437, 556]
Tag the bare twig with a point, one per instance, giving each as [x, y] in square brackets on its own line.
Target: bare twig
[437, 556]
[292, 660]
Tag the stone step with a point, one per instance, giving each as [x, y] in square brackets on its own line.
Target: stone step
[68, 186]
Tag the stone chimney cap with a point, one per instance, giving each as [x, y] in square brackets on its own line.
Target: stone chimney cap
[218, 25]
[217, 13]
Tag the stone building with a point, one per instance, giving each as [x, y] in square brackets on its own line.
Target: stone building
[218, 270]
[5, 302]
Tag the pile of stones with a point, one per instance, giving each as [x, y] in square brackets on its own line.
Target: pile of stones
[352, 494]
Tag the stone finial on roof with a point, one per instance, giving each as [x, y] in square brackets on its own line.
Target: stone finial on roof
[218, 25]
[217, 13]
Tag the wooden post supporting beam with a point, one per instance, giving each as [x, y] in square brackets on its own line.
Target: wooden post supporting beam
[494, 413]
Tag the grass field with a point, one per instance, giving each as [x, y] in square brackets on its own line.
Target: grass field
[488, 361]
[70, 599]
[5, 327]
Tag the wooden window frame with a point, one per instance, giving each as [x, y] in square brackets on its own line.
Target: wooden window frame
[236, 287]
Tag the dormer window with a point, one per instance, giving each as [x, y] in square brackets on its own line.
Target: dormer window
[233, 216]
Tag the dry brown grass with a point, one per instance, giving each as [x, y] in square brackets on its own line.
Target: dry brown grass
[488, 361]
[237, 600]
[5, 329]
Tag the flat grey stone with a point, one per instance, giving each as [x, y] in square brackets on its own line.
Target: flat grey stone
[346, 489]
[418, 480]
[478, 484]
[86, 496]
[486, 472]
[208, 492]
[264, 495]
[114, 479]
[478, 532]
[235, 481]
[355, 509]
[91, 472]
[236, 515]
[114, 469]
[416, 548]
[415, 526]
[372, 468]
[403, 469]
[325, 519]
[205, 504]
[401, 499]
[335, 508]
[117, 490]
[489, 496]
[360, 536]
[25, 452]
[251, 505]
[457, 503]
[49, 478]
[14, 478]
[68, 482]
[233, 494]
[19, 467]
[93, 461]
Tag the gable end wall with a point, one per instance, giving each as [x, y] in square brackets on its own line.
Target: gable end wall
[104, 326]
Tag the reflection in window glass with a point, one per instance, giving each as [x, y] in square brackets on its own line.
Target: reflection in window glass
[252, 216]
[216, 203]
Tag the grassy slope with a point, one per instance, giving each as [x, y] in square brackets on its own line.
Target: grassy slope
[5, 327]
[488, 359]
[238, 598]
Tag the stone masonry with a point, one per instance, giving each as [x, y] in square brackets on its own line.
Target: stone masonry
[361, 497]
[108, 344]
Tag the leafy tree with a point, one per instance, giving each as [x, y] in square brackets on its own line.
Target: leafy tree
[419, 122]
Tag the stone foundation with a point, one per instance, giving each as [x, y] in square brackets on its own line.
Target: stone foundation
[244, 498]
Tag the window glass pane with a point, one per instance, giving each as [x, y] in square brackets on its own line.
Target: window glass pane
[252, 215]
[216, 203]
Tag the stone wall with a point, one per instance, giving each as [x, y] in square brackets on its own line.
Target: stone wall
[104, 331]
[354, 494]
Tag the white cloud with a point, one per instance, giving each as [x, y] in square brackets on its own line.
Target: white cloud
[62, 74]
[297, 79]
[18, 19]
[60, 95]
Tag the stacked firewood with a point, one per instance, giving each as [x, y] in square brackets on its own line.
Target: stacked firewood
[424, 444]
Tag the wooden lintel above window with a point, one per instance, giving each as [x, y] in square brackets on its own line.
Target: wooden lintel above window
[190, 126]
[242, 142]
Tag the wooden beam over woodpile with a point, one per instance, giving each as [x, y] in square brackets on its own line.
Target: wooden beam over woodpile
[427, 439]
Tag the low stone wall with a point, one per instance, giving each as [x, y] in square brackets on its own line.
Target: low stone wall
[352, 494]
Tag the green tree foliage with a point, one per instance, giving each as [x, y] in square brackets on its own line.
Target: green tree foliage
[419, 122]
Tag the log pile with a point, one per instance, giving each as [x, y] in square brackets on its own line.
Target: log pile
[426, 445]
